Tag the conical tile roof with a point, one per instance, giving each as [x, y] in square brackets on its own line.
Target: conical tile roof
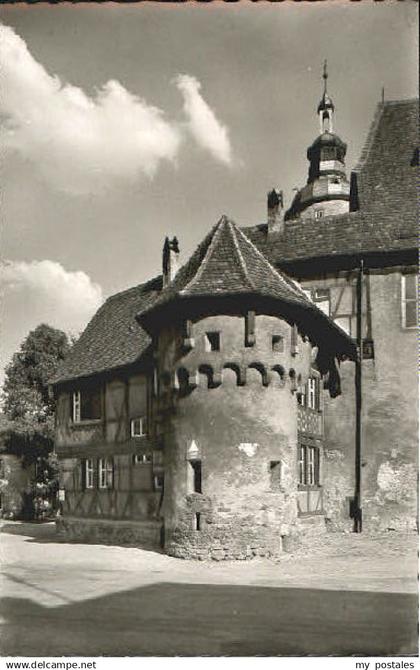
[227, 265]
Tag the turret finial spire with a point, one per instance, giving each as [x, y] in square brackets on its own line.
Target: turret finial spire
[325, 76]
[326, 106]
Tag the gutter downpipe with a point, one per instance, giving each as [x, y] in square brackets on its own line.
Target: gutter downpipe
[357, 509]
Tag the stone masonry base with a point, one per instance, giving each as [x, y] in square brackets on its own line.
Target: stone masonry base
[217, 544]
[144, 534]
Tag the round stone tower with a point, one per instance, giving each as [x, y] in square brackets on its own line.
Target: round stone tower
[327, 191]
[230, 434]
[234, 342]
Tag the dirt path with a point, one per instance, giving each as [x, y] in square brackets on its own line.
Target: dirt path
[78, 599]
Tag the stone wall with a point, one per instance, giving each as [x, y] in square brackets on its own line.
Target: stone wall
[389, 421]
[145, 534]
[240, 422]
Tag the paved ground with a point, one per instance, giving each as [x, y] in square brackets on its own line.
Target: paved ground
[351, 595]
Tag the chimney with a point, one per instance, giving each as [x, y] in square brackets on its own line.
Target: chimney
[275, 212]
[170, 260]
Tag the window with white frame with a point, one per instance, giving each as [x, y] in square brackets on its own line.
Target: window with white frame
[312, 393]
[309, 395]
[89, 473]
[87, 405]
[309, 465]
[106, 473]
[409, 291]
[302, 465]
[142, 459]
[139, 426]
[76, 407]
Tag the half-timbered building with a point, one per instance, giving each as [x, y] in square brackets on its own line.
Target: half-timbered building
[214, 411]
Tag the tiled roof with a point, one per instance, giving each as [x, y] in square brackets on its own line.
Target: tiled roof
[387, 178]
[113, 338]
[226, 264]
[385, 185]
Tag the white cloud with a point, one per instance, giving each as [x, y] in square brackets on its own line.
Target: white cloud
[83, 143]
[43, 292]
[203, 124]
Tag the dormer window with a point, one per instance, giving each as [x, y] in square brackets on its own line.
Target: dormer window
[87, 405]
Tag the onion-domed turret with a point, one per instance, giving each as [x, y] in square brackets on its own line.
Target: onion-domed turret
[327, 190]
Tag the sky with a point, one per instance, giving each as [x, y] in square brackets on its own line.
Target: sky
[122, 124]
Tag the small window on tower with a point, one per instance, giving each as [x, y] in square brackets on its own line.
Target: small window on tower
[319, 213]
[195, 476]
[277, 343]
[212, 341]
[275, 475]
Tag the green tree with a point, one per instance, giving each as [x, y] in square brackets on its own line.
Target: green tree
[27, 427]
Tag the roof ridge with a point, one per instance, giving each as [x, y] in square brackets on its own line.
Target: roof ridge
[143, 286]
[205, 260]
[232, 229]
[294, 286]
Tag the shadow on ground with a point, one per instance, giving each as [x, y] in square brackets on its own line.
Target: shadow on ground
[36, 532]
[168, 619]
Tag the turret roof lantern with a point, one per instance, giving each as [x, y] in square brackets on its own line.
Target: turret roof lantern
[326, 102]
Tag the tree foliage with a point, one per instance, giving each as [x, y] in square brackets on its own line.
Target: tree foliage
[27, 422]
[28, 405]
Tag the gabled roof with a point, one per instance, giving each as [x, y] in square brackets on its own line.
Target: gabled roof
[113, 338]
[383, 192]
[227, 265]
